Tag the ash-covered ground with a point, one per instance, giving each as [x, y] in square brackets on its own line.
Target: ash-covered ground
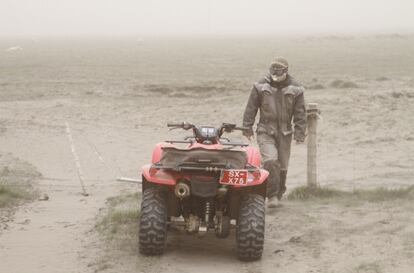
[117, 96]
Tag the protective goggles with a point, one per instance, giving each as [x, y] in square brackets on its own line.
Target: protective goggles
[277, 71]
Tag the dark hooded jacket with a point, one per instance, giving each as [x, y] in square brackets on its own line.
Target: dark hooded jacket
[280, 104]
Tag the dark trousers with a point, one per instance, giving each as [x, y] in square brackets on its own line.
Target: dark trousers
[275, 152]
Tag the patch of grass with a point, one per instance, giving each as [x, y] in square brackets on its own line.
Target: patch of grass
[307, 193]
[124, 199]
[368, 268]
[317, 86]
[343, 84]
[100, 264]
[102, 267]
[11, 195]
[384, 194]
[119, 222]
[372, 195]
[16, 181]
[382, 79]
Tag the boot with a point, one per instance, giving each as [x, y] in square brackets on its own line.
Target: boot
[272, 202]
[282, 188]
[273, 180]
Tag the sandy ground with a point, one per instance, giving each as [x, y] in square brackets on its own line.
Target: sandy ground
[366, 140]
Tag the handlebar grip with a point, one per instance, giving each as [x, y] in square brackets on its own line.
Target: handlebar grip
[242, 128]
[174, 124]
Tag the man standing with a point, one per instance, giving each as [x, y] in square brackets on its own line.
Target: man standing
[280, 100]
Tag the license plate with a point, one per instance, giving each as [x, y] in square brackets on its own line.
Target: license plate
[233, 177]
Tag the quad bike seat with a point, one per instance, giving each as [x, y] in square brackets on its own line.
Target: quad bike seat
[173, 158]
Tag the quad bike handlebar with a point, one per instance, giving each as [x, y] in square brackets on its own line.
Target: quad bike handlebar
[229, 127]
[207, 134]
[183, 125]
[225, 127]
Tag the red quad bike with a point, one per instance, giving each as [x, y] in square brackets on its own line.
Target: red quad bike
[204, 182]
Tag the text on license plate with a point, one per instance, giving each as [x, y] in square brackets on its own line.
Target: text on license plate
[233, 177]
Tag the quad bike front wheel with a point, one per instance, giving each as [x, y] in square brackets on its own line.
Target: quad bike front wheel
[153, 222]
[250, 227]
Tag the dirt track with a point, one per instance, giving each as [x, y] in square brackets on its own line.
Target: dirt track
[365, 141]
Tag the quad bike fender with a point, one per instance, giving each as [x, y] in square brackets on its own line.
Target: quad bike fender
[157, 152]
[262, 178]
[253, 157]
[255, 178]
[158, 176]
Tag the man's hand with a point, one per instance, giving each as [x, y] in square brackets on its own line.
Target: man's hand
[299, 140]
[249, 134]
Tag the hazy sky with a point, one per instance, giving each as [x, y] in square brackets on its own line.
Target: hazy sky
[138, 17]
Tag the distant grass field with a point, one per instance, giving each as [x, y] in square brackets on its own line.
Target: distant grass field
[123, 66]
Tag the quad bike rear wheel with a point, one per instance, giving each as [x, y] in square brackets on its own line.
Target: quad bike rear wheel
[250, 227]
[153, 222]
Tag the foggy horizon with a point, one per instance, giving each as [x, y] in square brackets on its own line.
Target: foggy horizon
[184, 18]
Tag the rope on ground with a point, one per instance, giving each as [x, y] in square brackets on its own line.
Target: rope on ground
[76, 160]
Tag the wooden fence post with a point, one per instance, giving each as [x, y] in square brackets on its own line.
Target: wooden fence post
[312, 115]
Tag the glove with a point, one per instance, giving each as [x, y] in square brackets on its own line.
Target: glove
[299, 140]
[298, 137]
[248, 133]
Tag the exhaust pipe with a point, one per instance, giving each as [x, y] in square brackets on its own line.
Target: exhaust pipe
[182, 190]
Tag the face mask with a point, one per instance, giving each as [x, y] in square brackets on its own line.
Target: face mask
[280, 78]
[278, 73]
